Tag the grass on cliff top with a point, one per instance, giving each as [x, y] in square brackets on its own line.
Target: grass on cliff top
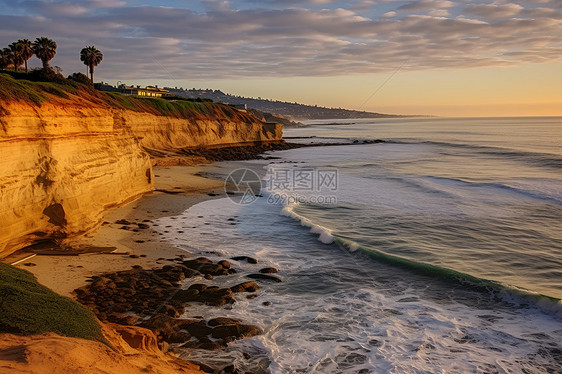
[37, 92]
[178, 108]
[27, 307]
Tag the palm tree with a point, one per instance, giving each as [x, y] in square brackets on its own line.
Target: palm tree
[26, 51]
[17, 59]
[91, 56]
[5, 58]
[45, 49]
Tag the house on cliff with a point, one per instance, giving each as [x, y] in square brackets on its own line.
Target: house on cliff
[148, 91]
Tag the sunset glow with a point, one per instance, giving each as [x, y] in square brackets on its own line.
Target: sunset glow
[449, 58]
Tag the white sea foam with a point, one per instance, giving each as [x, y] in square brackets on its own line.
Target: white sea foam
[469, 214]
[339, 311]
[326, 318]
[324, 234]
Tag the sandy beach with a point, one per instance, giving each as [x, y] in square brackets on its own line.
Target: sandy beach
[138, 250]
[141, 247]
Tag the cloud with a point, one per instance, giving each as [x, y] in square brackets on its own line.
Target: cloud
[62, 8]
[105, 3]
[421, 5]
[494, 11]
[217, 5]
[219, 39]
[439, 13]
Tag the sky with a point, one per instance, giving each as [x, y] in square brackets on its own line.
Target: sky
[435, 57]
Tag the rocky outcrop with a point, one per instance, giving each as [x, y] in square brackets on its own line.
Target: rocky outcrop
[157, 297]
[66, 161]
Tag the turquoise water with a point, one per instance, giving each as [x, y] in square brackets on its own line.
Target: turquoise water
[433, 257]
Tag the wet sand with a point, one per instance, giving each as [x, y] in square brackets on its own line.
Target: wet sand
[135, 246]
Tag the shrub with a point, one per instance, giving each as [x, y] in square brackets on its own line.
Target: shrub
[27, 307]
[18, 75]
[81, 78]
[46, 75]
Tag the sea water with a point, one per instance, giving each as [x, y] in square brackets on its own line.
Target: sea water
[441, 251]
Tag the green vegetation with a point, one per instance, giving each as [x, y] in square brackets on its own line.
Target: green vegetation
[81, 78]
[26, 51]
[45, 49]
[15, 50]
[179, 107]
[173, 108]
[91, 56]
[27, 307]
[19, 52]
[12, 89]
[5, 58]
[45, 85]
[123, 100]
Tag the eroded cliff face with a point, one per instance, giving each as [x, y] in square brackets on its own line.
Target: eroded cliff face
[167, 134]
[61, 167]
[65, 162]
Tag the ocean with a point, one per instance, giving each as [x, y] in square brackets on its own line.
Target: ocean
[437, 251]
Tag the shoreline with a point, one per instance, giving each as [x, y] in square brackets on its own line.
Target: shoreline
[139, 249]
[141, 252]
[167, 179]
[64, 273]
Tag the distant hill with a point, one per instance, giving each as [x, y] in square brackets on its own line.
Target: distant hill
[295, 111]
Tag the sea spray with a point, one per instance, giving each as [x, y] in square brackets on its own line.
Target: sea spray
[508, 293]
[446, 276]
[324, 235]
[337, 311]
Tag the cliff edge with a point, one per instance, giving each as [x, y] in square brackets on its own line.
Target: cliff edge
[69, 152]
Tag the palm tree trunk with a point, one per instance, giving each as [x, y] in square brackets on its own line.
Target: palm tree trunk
[26, 66]
[92, 72]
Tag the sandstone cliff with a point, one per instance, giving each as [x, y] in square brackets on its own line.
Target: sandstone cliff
[61, 167]
[221, 126]
[134, 351]
[69, 153]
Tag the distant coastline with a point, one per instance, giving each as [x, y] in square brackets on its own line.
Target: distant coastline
[295, 111]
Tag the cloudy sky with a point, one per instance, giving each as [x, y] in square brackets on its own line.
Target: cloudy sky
[485, 57]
